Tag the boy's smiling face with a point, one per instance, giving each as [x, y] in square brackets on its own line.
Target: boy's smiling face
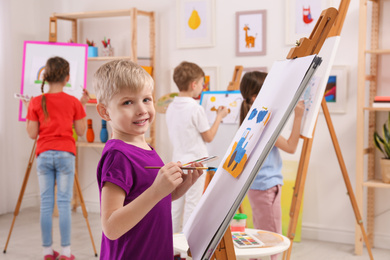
[131, 114]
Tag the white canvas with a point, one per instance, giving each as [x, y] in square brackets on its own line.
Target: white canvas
[280, 93]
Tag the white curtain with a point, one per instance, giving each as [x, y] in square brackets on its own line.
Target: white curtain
[3, 83]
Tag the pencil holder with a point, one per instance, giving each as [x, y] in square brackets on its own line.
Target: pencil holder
[92, 51]
[108, 51]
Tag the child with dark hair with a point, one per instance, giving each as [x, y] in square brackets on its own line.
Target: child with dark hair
[265, 193]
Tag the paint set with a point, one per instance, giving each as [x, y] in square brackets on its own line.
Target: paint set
[245, 240]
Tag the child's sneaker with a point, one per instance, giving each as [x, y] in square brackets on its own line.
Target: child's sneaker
[51, 257]
[62, 257]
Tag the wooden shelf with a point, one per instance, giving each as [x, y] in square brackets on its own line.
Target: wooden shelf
[376, 184]
[133, 13]
[108, 58]
[98, 14]
[377, 108]
[379, 51]
[370, 26]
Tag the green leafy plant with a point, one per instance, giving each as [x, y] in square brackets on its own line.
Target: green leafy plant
[383, 144]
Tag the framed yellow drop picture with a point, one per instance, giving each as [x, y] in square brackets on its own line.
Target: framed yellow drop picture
[195, 23]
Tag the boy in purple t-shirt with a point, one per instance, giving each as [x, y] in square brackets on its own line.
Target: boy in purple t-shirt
[135, 202]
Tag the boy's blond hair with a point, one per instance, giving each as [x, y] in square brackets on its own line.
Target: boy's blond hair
[186, 73]
[116, 75]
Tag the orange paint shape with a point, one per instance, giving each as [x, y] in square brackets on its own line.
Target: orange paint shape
[232, 167]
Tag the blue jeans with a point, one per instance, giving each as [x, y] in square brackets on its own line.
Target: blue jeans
[55, 166]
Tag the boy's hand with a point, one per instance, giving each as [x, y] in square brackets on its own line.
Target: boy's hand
[222, 111]
[168, 178]
[85, 97]
[188, 180]
[299, 109]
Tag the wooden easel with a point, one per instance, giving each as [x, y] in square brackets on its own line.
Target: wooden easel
[310, 46]
[235, 83]
[23, 188]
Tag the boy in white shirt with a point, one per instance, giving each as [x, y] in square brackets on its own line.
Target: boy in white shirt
[189, 131]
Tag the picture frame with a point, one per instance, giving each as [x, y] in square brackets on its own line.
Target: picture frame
[336, 90]
[309, 10]
[211, 77]
[195, 23]
[251, 32]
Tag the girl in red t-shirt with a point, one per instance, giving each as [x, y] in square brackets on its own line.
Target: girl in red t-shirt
[51, 116]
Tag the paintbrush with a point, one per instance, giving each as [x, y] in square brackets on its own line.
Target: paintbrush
[183, 168]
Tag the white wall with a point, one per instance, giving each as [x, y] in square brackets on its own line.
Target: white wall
[327, 215]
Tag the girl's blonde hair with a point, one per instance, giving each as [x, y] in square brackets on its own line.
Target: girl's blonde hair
[116, 75]
[250, 86]
[56, 70]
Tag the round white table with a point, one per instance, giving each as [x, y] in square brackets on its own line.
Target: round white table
[180, 245]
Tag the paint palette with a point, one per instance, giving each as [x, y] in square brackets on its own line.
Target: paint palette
[245, 240]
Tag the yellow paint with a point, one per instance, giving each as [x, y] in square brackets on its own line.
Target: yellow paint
[233, 104]
[194, 21]
[212, 99]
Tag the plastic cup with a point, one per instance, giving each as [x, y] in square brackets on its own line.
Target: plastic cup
[238, 223]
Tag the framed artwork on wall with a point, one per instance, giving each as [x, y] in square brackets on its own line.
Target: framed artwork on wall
[302, 16]
[336, 89]
[251, 33]
[195, 23]
[210, 78]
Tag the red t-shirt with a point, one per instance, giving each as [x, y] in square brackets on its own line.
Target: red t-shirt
[56, 132]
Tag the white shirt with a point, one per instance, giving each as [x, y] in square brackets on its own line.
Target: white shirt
[186, 119]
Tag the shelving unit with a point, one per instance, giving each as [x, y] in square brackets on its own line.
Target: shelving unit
[366, 114]
[133, 13]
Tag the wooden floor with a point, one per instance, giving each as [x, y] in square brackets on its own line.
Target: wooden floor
[25, 242]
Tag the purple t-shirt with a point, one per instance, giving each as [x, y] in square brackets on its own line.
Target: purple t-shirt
[123, 164]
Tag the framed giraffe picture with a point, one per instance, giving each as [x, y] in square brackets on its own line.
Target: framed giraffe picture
[251, 33]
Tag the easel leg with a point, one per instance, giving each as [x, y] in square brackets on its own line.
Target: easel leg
[19, 203]
[298, 193]
[301, 176]
[85, 213]
[225, 249]
[347, 181]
